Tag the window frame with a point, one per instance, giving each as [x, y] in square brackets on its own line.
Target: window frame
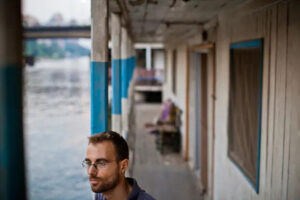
[241, 45]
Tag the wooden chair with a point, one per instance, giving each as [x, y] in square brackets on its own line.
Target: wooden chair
[169, 131]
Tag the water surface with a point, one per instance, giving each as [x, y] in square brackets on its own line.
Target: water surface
[57, 124]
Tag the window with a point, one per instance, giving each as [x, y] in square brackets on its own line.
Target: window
[174, 71]
[245, 96]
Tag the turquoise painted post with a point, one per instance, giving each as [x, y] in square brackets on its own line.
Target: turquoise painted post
[12, 167]
[130, 65]
[134, 63]
[129, 72]
[128, 69]
[124, 78]
[116, 73]
[116, 84]
[99, 96]
[124, 67]
[99, 67]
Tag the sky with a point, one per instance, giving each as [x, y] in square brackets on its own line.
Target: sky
[43, 10]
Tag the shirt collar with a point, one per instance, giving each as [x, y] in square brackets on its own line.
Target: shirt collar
[135, 189]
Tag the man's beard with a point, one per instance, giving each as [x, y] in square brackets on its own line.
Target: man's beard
[106, 186]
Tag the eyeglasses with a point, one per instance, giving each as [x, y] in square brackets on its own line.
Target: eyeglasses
[98, 165]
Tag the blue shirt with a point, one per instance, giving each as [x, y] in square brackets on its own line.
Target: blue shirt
[136, 194]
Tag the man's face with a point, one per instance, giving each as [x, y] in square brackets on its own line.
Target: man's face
[107, 176]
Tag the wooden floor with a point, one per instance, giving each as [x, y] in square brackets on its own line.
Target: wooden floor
[165, 177]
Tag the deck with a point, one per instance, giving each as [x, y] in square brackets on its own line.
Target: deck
[164, 177]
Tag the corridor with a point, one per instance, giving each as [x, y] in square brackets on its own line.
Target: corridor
[227, 71]
[164, 177]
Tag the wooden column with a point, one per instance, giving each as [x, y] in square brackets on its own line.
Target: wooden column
[99, 68]
[124, 77]
[116, 72]
[12, 172]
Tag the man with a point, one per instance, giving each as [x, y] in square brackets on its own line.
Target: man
[106, 162]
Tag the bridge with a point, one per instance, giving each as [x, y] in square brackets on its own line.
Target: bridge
[57, 32]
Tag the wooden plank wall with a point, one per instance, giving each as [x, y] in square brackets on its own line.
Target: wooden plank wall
[291, 187]
[278, 23]
[276, 167]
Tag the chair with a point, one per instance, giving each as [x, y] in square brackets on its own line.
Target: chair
[169, 131]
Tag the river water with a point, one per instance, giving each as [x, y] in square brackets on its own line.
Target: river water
[57, 124]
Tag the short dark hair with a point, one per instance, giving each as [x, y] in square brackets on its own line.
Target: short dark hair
[121, 146]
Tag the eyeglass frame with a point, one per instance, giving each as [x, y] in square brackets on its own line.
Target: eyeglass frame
[95, 165]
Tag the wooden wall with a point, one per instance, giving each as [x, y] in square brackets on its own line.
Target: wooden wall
[277, 22]
[291, 166]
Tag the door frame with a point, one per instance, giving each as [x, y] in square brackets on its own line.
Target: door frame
[190, 49]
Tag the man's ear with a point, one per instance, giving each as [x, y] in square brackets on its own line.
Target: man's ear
[124, 165]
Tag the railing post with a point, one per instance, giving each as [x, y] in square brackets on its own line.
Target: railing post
[116, 72]
[99, 68]
[12, 167]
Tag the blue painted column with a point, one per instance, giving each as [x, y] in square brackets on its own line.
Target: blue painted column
[116, 72]
[12, 167]
[124, 78]
[99, 67]
[131, 64]
[130, 82]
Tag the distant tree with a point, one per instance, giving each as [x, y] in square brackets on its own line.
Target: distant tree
[54, 49]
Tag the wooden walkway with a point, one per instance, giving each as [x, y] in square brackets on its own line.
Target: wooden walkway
[165, 177]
